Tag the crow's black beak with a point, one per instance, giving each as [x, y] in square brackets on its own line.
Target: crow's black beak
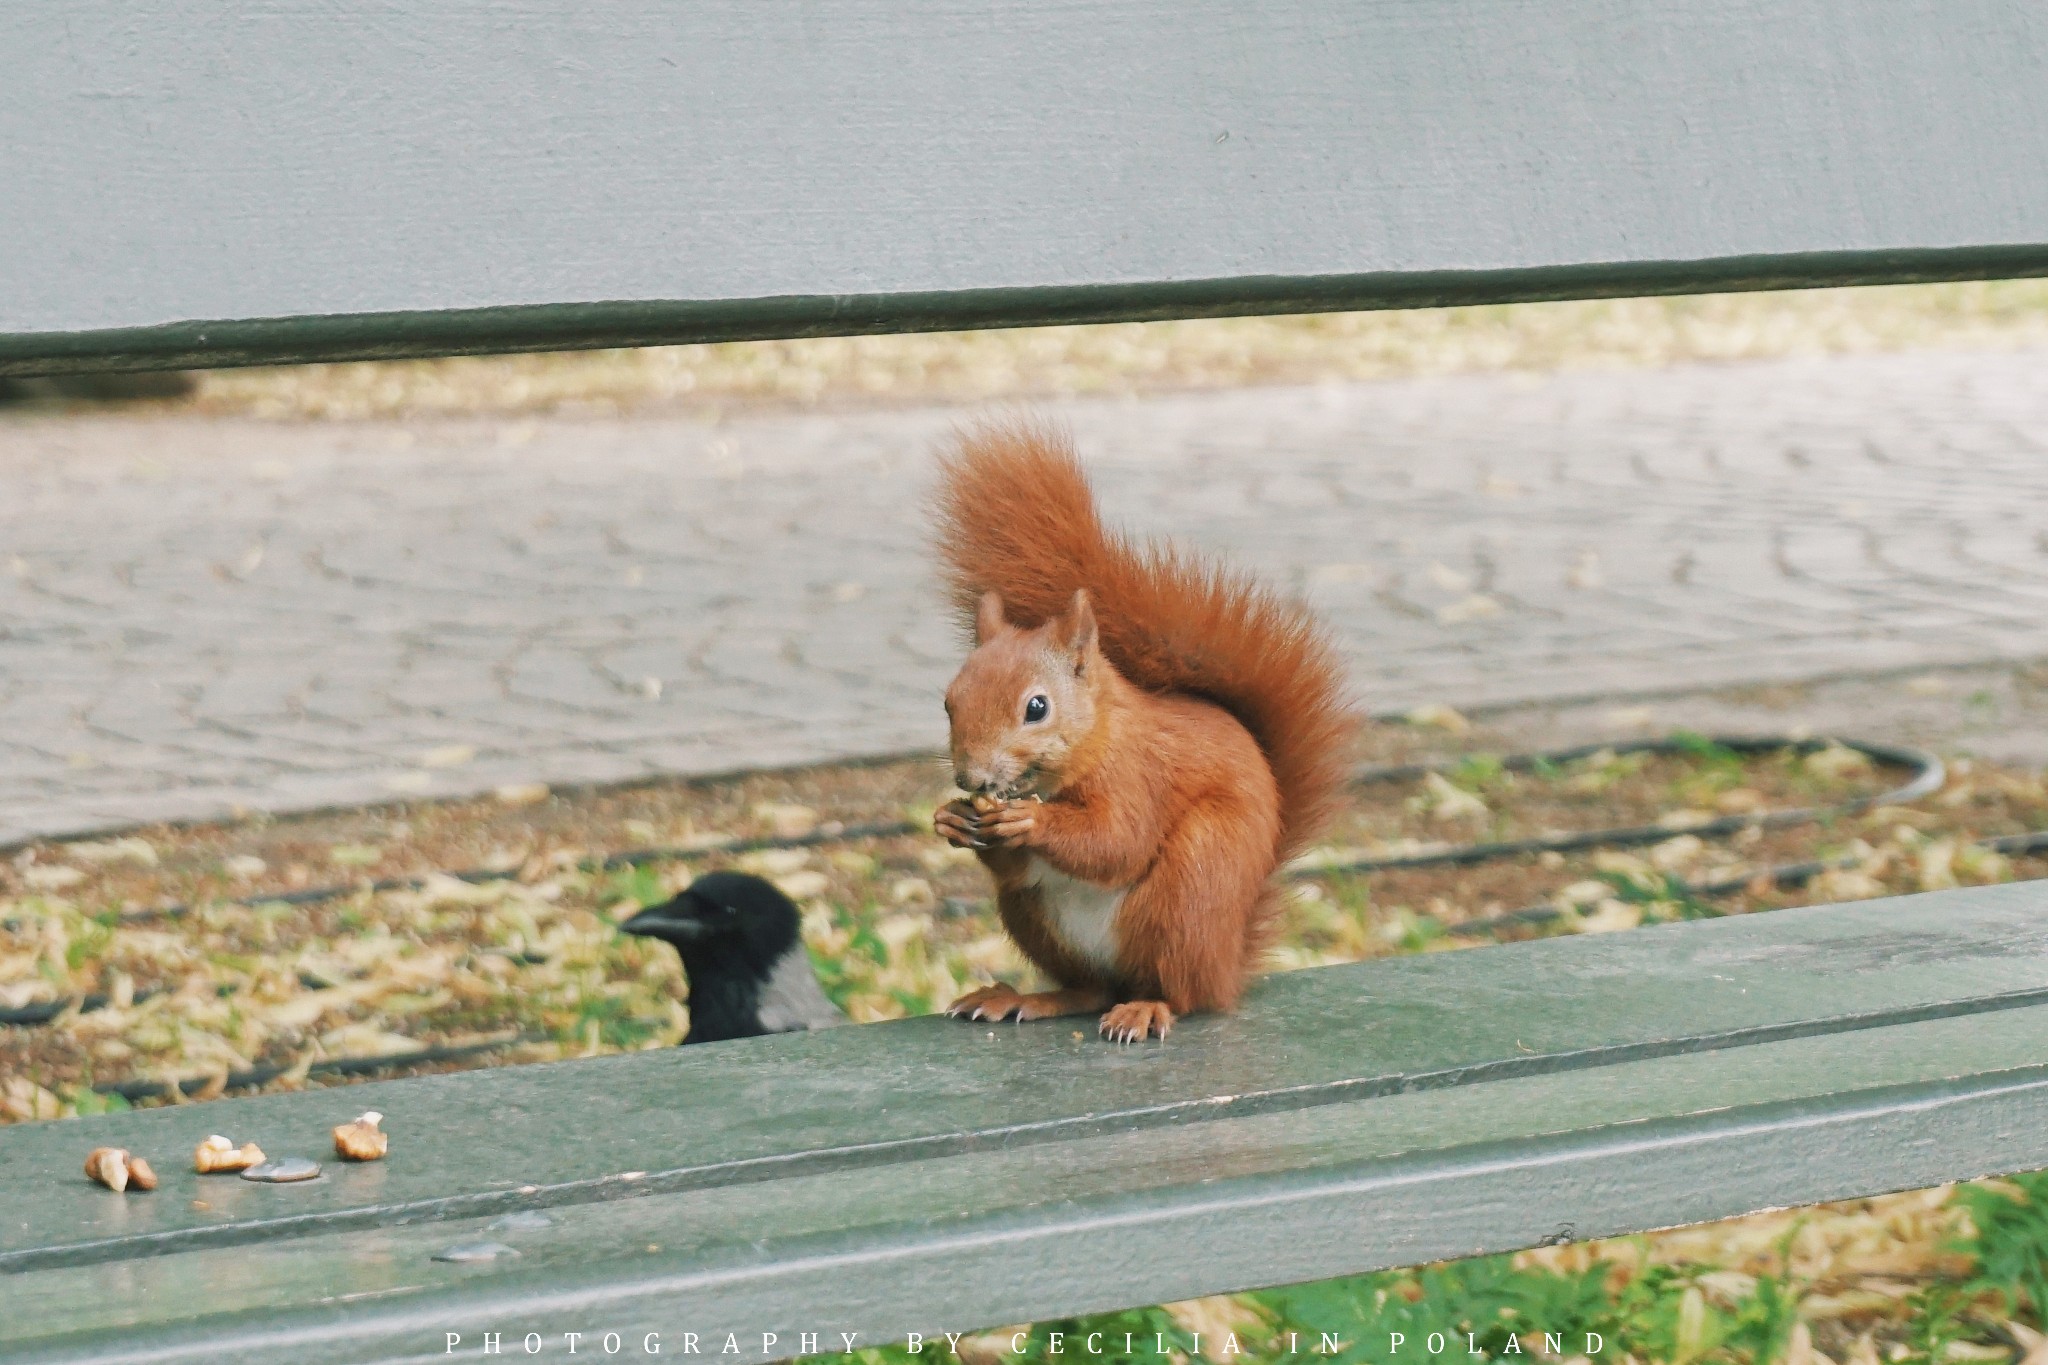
[675, 920]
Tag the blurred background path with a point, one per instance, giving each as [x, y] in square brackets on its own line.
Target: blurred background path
[210, 608]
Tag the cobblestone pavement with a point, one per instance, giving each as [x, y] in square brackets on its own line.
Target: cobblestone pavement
[199, 615]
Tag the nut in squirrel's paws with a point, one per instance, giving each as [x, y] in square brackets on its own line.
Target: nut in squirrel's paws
[1136, 1020]
[115, 1168]
[1010, 823]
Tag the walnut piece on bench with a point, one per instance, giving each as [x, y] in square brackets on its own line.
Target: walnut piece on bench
[115, 1168]
[219, 1154]
[361, 1139]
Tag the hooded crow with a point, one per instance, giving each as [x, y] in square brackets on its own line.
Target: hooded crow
[744, 954]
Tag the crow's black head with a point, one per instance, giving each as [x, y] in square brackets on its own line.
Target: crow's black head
[742, 947]
[725, 915]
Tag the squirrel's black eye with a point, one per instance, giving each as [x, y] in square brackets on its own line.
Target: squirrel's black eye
[1035, 709]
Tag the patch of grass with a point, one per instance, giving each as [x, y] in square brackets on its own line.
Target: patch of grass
[1615, 1305]
[91, 1103]
[611, 1023]
[641, 885]
[1480, 773]
[2009, 1242]
[1663, 897]
[87, 943]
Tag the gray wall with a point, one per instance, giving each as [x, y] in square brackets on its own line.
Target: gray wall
[167, 161]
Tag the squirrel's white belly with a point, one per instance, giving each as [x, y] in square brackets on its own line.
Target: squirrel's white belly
[1081, 914]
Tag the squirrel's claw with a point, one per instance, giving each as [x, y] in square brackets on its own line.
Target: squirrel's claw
[957, 824]
[1136, 1020]
[990, 1003]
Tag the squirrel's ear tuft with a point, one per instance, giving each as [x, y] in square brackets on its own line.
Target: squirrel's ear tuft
[1078, 629]
[988, 618]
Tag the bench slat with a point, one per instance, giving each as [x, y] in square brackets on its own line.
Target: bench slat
[1350, 1118]
[1275, 1198]
[318, 182]
[854, 1098]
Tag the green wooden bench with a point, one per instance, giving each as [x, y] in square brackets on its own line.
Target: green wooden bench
[188, 188]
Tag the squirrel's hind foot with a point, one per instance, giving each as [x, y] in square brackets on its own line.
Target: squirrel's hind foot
[1136, 1020]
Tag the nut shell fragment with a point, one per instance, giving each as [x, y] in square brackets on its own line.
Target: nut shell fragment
[983, 803]
[219, 1154]
[117, 1170]
[361, 1139]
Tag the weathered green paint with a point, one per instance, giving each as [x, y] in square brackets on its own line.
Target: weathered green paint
[1373, 1144]
[189, 183]
[936, 1174]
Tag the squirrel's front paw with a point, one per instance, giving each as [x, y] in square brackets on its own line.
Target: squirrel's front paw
[957, 823]
[1011, 824]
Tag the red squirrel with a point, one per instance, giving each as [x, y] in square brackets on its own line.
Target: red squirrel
[1145, 739]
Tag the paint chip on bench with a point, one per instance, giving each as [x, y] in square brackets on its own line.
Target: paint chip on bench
[463, 1252]
[526, 1220]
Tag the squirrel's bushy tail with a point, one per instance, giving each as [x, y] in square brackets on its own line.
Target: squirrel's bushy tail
[1016, 515]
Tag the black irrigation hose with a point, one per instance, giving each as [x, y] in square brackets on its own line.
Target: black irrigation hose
[338, 1066]
[44, 1011]
[1928, 776]
[2036, 842]
[1927, 770]
[831, 832]
[1783, 875]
